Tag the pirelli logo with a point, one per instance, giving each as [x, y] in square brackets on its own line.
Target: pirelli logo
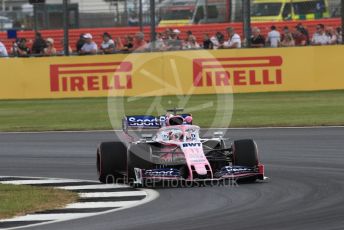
[237, 71]
[91, 77]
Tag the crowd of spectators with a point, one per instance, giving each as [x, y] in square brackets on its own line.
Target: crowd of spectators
[40, 47]
[300, 36]
[170, 39]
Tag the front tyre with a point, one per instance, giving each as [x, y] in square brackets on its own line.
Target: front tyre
[245, 153]
[111, 161]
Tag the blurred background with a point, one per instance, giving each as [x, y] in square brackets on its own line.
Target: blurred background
[65, 22]
[48, 14]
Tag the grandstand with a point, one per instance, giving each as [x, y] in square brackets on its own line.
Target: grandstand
[198, 31]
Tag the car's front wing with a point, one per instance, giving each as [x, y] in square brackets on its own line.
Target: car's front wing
[225, 173]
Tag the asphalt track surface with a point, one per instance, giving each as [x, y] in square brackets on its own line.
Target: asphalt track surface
[306, 189]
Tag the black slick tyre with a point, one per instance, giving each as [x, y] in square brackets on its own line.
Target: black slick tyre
[111, 161]
[245, 153]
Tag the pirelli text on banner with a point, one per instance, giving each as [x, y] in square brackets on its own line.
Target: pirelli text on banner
[91, 76]
[237, 71]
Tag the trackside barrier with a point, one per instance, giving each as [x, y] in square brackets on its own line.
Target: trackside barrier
[171, 73]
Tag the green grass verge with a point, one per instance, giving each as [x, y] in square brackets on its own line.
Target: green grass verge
[18, 200]
[256, 109]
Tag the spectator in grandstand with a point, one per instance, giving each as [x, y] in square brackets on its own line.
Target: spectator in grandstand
[20, 48]
[38, 44]
[159, 43]
[188, 34]
[285, 31]
[164, 37]
[218, 39]
[257, 40]
[168, 34]
[304, 31]
[299, 38]
[234, 40]
[3, 50]
[129, 43]
[174, 43]
[320, 37]
[80, 43]
[207, 43]
[90, 47]
[118, 44]
[288, 40]
[339, 35]
[274, 37]
[108, 45]
[139, 43]
[191, 43]
[332, 35]
[50, 50]
[176, 32]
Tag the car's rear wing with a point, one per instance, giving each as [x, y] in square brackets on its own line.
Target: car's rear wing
[146, 121]
[140, 122]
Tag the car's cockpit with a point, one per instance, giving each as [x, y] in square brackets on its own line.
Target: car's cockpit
[178, 133]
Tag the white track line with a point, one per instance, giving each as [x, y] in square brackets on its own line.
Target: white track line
[112, 194]
[100, 186]
[110, 204]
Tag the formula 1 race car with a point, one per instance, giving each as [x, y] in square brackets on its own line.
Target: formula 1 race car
[176, 152]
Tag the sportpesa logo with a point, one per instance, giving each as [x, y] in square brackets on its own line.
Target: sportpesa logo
[242, 71]
[91, 77]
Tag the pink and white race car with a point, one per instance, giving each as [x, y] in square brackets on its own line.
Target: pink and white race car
[176, 153]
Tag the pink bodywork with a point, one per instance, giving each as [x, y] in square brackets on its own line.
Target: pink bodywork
[193, 150]
[195, 157]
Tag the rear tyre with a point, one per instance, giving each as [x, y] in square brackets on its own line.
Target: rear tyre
[111, 161]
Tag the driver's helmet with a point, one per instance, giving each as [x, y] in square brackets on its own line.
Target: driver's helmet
[174, 120]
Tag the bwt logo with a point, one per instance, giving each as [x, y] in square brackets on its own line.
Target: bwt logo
[237, 71]
[91, 77]
[186, 145]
